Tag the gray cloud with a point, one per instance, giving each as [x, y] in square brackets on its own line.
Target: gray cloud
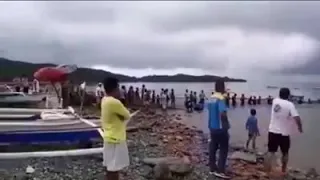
[229, 37]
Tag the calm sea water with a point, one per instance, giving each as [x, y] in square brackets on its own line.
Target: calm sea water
[305, 147]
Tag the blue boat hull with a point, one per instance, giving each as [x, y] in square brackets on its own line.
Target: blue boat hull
[45, 137]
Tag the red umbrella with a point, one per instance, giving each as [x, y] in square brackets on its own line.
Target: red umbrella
[51, 74]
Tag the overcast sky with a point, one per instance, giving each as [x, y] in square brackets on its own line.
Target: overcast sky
[139, 38]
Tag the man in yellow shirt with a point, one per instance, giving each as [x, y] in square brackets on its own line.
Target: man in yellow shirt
[113, 117]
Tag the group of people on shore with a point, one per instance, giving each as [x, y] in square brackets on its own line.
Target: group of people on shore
[114, 114]
[283, 112]
[135, 96]
[192, 102]
[23, 85]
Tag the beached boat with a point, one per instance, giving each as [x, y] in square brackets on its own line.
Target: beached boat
[18, 125]
[19, 99]
[41, 125]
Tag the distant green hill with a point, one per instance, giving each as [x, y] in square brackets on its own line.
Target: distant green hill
[10, 69]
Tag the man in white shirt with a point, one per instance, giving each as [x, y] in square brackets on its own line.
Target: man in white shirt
[163, 100]
[283, 112]
[99, 92]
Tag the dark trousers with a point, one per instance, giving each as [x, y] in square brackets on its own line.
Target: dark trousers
[219, 140]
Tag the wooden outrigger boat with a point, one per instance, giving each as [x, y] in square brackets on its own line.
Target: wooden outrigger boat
[42, 125]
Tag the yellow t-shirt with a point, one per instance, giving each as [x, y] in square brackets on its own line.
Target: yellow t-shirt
[113, 116]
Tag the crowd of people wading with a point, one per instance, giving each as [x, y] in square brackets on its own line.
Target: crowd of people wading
[193, 100]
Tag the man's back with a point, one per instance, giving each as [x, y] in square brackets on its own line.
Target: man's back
[282, 113]
[216, 106]
[113, 115]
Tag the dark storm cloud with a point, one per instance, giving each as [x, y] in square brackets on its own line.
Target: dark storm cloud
[286, 17]
[229, 36]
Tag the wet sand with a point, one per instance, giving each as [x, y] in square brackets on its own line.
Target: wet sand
[304, 148]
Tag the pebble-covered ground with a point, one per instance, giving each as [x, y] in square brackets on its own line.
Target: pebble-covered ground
[160, 148]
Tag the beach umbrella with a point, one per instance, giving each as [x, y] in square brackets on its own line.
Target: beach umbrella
[54, 75]
[50, 74]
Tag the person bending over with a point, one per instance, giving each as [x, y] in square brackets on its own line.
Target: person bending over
[113, 117]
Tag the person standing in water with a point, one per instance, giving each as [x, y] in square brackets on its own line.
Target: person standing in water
[282, 113]
[173, 99]
[242, 99]
[186, 97]
[254, 100]
[137, 100]
[113, 117]
[253, 129]
[250, 100]
[218, 125]
[234, 100]
[269, 100]
[153, 98]
[143, 91]
[163, 100]
[227, 99]
[259, 100]
[202, 97]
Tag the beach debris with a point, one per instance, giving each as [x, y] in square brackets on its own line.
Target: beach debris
[248, 157]
[161, 171]
[177, 166]
[312, 172]
[30, 170]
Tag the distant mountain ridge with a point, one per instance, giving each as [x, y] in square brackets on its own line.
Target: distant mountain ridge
[10, 69]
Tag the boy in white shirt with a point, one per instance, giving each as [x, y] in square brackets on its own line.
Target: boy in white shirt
[282, 113]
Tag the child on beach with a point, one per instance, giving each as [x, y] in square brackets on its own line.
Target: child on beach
[252, 127]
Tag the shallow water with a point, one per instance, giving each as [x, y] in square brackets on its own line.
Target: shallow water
[304, 147]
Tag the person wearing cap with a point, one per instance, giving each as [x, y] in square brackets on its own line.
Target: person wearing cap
[218, 124]
[283, 112]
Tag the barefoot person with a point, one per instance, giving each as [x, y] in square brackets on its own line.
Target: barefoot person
[252, 128]
[282, 113]
[219, 126]
[113, 117]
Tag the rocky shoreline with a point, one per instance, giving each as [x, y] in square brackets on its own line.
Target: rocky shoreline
[160, 148]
